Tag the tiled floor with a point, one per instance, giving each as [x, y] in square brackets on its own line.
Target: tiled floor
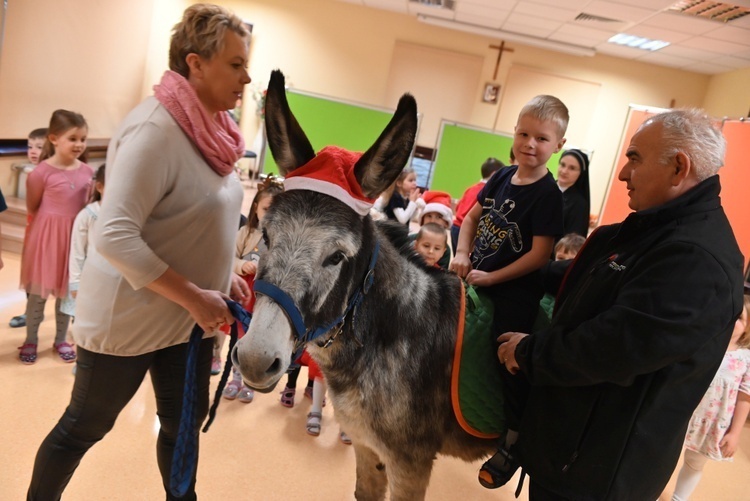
[256, 451]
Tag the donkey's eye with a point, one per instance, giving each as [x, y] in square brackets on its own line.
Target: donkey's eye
[265, 239]
[334, 259]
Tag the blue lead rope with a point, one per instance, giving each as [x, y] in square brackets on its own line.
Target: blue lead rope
[184, 457]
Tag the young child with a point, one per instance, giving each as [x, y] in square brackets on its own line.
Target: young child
[506, 238]
[81, 244]
[401, 200]
[431, 243]
[469, 198]
[437, 210]
[33, 153]
[566, 248]
[249, 245]
[714, 430]
[56, 190]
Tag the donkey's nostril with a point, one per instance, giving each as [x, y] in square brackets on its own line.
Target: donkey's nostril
[233, 356]
[274, 367]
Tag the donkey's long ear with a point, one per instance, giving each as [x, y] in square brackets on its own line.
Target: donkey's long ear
[289, 144]
[382, 163]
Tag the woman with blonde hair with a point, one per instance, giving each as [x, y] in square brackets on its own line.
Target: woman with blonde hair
[165, 236]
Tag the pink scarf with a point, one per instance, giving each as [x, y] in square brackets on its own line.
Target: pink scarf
[219, 140]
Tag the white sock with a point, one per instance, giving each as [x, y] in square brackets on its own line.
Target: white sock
[689, 476]
[319, 393]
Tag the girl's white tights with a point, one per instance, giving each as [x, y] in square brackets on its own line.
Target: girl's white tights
[319, 393]
[689, 476]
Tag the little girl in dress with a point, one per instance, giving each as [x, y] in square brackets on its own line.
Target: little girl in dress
[714, 430]
[56, 190]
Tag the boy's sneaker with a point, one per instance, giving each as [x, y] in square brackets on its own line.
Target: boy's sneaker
[498, 470]
[215, 366]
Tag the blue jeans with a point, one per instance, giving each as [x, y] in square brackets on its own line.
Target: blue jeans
[103, 385]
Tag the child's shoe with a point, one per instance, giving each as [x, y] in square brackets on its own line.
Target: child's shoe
[18, 321]
[65, 351]
[245, 395]
[231, 390]
[345, 439]
[313, 423]
[498, 470]
[287, 397]
[215, 366]
[27, 355]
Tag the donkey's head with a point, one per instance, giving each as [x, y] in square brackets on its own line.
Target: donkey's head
[319, 237]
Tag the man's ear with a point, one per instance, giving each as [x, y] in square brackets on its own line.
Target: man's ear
[682, 168]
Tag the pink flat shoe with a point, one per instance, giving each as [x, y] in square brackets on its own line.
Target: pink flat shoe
[27, 355]
[66, 352]
[287, 397]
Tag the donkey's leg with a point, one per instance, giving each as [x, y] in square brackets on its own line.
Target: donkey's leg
[371, 476]
[408, 480]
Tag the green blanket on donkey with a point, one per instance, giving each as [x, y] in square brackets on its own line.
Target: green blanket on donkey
[476, 384]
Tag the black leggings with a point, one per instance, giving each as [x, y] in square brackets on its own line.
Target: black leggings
[104, 384]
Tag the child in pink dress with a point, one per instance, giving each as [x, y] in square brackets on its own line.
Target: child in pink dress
[56, 190]
[714, 430]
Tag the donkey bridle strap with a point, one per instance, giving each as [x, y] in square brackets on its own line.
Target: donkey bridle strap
[303, 334]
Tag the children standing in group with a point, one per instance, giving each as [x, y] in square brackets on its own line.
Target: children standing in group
[56, 190]
[507, 237]
[437, 211]
[401, 200]
[714, 430]
[81, 244]
[33, 154]
[249, 245]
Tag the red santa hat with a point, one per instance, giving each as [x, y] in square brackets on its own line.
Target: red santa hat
[440, 202]
[331, 172]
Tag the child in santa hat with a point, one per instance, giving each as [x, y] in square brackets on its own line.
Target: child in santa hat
[438, 210]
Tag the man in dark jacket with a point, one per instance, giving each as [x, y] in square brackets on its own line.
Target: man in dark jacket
[643, 319]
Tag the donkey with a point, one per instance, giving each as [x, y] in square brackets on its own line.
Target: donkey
[388, 359]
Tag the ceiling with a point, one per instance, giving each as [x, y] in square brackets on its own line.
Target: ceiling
[697, 44]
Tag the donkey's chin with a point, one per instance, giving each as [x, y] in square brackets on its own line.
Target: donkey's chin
[264, 389]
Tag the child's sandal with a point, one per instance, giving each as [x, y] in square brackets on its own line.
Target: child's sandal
[65, 351]
[313, 423]
[287, 397]
[231, 390]
[27, 355]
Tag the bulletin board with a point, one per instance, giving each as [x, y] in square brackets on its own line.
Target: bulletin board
[734, 176]
[331, 121]
[461, 151]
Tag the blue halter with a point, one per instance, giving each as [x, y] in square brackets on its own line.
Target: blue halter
[302, 333]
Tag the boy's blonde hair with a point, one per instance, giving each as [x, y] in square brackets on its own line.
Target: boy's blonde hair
[548, 108]
[744, 340]
[201, 32]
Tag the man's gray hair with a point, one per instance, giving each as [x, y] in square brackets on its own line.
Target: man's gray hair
[692, 132]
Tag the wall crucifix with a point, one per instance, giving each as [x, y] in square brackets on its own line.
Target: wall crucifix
[500, 49]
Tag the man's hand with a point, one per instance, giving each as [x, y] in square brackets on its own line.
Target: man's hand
[479, 278]
[507, 350]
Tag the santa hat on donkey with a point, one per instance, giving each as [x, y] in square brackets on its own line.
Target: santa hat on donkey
[440, 202]
[332, 172]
